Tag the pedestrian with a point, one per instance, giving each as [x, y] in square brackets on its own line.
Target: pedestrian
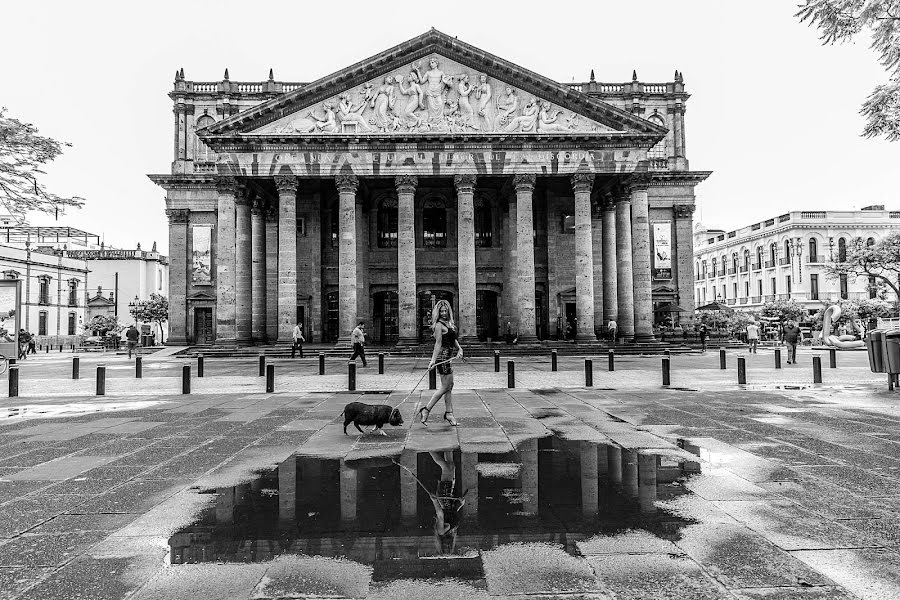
[131, 337]
[613, 329]
[32, 342]
[704, 332]
[358, 338]
[299, 339]
[509, 332]
[446, 348]
[752, 336]
[24, 338]
[790, 335]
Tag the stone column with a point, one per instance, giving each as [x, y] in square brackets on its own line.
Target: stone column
[597, 250]
[242, 271]
[347, 186]
[524, 184]
[272, 273]
[258, 271]
[469, 468]
[590, 492]
[287, 489]
[584, 258]
[510, 296]
[640, 253]
[406, 259]
[465, 236]
[610, 270]
[287, 256]
[409, 488]
[684, 257]
[623, 261]
[225, 262]
[348, 491]
[528, 451]
[179, 254]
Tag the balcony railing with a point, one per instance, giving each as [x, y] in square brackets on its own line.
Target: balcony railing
[742, 300]
[745, 268]
[732, 272]
[770, 264]
[784, 296]
[815, 259]
[756, 299]
[730, 301]
[770, 297]
[757, 266]
[784, 261]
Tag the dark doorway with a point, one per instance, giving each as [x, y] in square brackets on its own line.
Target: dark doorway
[385, 327]
[331, 317]
[571, 327]
[486, 315]
[203, 329]
[301, 318]
[427, 300]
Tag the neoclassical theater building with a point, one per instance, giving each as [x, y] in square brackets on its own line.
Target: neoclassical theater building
[434, 170]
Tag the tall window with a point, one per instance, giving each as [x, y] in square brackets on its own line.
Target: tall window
[434, 224]
[72, 318]
[759, 257]
[746, 260]
[483, 224]
[387, 223]
[773, 250]
[42, 322]
[659, 150]
[787, 252]
[842, 250]
[724, 262]
[787, 282]
[714, 272]
[335, 218]
[844, 294]
[204, 154]
[813, 250]
[44, 290]
[873, 288]
[774, 286]
[735, 289]
[814, 287]
[73, 292]
[704, 269]
[759, 286]
[734, 262]
[746, 289]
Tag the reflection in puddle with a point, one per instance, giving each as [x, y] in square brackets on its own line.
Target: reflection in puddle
[47, 411]
[429, 514]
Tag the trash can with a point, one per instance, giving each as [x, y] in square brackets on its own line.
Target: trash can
[892, 347]
[875, 347]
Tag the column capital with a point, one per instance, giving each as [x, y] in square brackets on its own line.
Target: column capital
[226, 185]
[272, 213]
[639, 181]
[464, 183]
[406, 184]
[286, 184]
[684, 211]
[608, 201]
[582, 182]
[178, 215]
[258, 207]
[346, 183]
[242, 199]
[524, 181]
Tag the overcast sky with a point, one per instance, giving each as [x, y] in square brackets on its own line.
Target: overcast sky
[773, 113]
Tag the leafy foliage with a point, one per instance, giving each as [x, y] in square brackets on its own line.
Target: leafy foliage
[881, 261]
[853, 310]
[155, 310]
[105, 324]
[839, 21]
[783, 310]
[22, 155]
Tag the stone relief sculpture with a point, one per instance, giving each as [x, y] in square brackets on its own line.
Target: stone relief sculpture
[443, 100]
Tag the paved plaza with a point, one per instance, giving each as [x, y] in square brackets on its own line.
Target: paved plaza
[780, 488]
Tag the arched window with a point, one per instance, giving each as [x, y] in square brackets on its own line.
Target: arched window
[483, 224]
[387, 223]
[759, 257]
[813, 250]
[204, 154]
[44, 290]
[746, 260]
[842, 250]
[773, 251]
[659, 150]
[734, 262]
[724, 262]
[714, 272]
[787, 252]
[434, 224]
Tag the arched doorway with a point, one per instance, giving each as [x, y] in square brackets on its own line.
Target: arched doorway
[385, 328]
[427, 300]
[486, 325]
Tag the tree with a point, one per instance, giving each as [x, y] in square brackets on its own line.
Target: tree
[22, 155]
[839, 21]
[881, 261]
[782, 310]
[154, 310]
[105, 324]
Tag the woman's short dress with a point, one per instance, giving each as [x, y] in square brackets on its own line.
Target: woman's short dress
[448, 350]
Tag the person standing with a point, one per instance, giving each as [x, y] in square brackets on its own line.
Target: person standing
[299, 339]
[752, 336]
[703, 330]
[612, 329]
[132, 336]
[32, 343]
[358, 338]
[24, 338]
[446, 348]
[790, 335]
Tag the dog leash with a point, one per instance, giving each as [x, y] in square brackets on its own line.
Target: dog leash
[420, 381]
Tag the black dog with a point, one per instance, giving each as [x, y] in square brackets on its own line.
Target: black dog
[366, 414]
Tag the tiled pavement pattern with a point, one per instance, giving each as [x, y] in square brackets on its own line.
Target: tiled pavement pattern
[798, 496]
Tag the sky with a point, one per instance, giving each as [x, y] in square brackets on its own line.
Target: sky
[773, 113]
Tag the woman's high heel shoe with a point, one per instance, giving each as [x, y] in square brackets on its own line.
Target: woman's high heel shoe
[424, 412]
[448, 416]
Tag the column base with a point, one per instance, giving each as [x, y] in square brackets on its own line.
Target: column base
[343, 344]
[528, 339]
[585, 337]
[177, 341]
[407, 341]
[646, 338]
[469, 339]
[225, 342]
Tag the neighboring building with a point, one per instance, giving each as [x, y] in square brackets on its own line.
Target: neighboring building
[784, 258]
[375, 191]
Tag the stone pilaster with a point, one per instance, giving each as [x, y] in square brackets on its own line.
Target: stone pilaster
[258, 271]
[684, 257]
[287, 256]
[225, 262]
[509, 300]
[271, 273]
[625, 303]
[610, 274]
[243, 292]
[524, 185]
[347, 185]
[406, 259]
[178, 274]
[640, 256]
[584, 258]
[465, 235]
[597, 250]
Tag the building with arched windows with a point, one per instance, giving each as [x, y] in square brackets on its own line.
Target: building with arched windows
[784, 258]
[434, 170]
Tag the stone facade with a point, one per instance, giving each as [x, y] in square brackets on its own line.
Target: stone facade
[433, 170]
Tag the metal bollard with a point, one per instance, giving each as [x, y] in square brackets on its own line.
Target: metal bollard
[588, 373]
[294, 351]
[432, 378]
[262, 364]
[186, 379]
[321, 363]
[742, 370]
[510, 373]
[722, 364]
[890, 382]
[11, 361]
[13, 381]
[60, 347]
[817, 369]
[666, 371]
[76, 367]
[832, 358]
[777, 358]
[101, 380]
[47, 349]
[138, 367]
[381, 363]
[612, 360]
[351, 376]
[553, 360]
[496, 361]
[200, 361]
[270, 378]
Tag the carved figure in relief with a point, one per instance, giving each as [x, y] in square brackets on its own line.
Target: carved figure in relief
[527, 121]
[548, 120]
[507, 105]
[416, 99]
[348, 113]
[466, 114]
[483, 95]
[312, 122]
[436, 82]
[383, 102]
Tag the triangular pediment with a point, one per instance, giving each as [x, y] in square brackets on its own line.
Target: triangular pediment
[433, 84]
[201, 296]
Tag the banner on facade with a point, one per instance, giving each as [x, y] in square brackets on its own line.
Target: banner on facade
[662, 250]
[10, 318]
[200, 255]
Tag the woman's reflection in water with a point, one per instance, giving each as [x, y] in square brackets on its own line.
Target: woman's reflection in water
[447, 504]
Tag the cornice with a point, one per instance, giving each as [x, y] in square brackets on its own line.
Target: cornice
[669, 178]
[170, 182]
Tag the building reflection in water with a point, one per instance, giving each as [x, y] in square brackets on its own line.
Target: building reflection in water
[395, 513]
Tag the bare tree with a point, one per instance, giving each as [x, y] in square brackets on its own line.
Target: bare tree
[840, 21]
[880, 260]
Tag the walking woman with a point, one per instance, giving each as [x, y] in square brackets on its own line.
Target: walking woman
[446, 504]
[446, 348]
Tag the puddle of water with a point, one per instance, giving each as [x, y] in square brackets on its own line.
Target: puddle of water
[429, 514]
[47, 411]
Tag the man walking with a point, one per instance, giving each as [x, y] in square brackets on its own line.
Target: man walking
[358, 338]
[298, 339]
[132, 336]
[612, 328]
[790, 334]
[704, 332]
[752, 336]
